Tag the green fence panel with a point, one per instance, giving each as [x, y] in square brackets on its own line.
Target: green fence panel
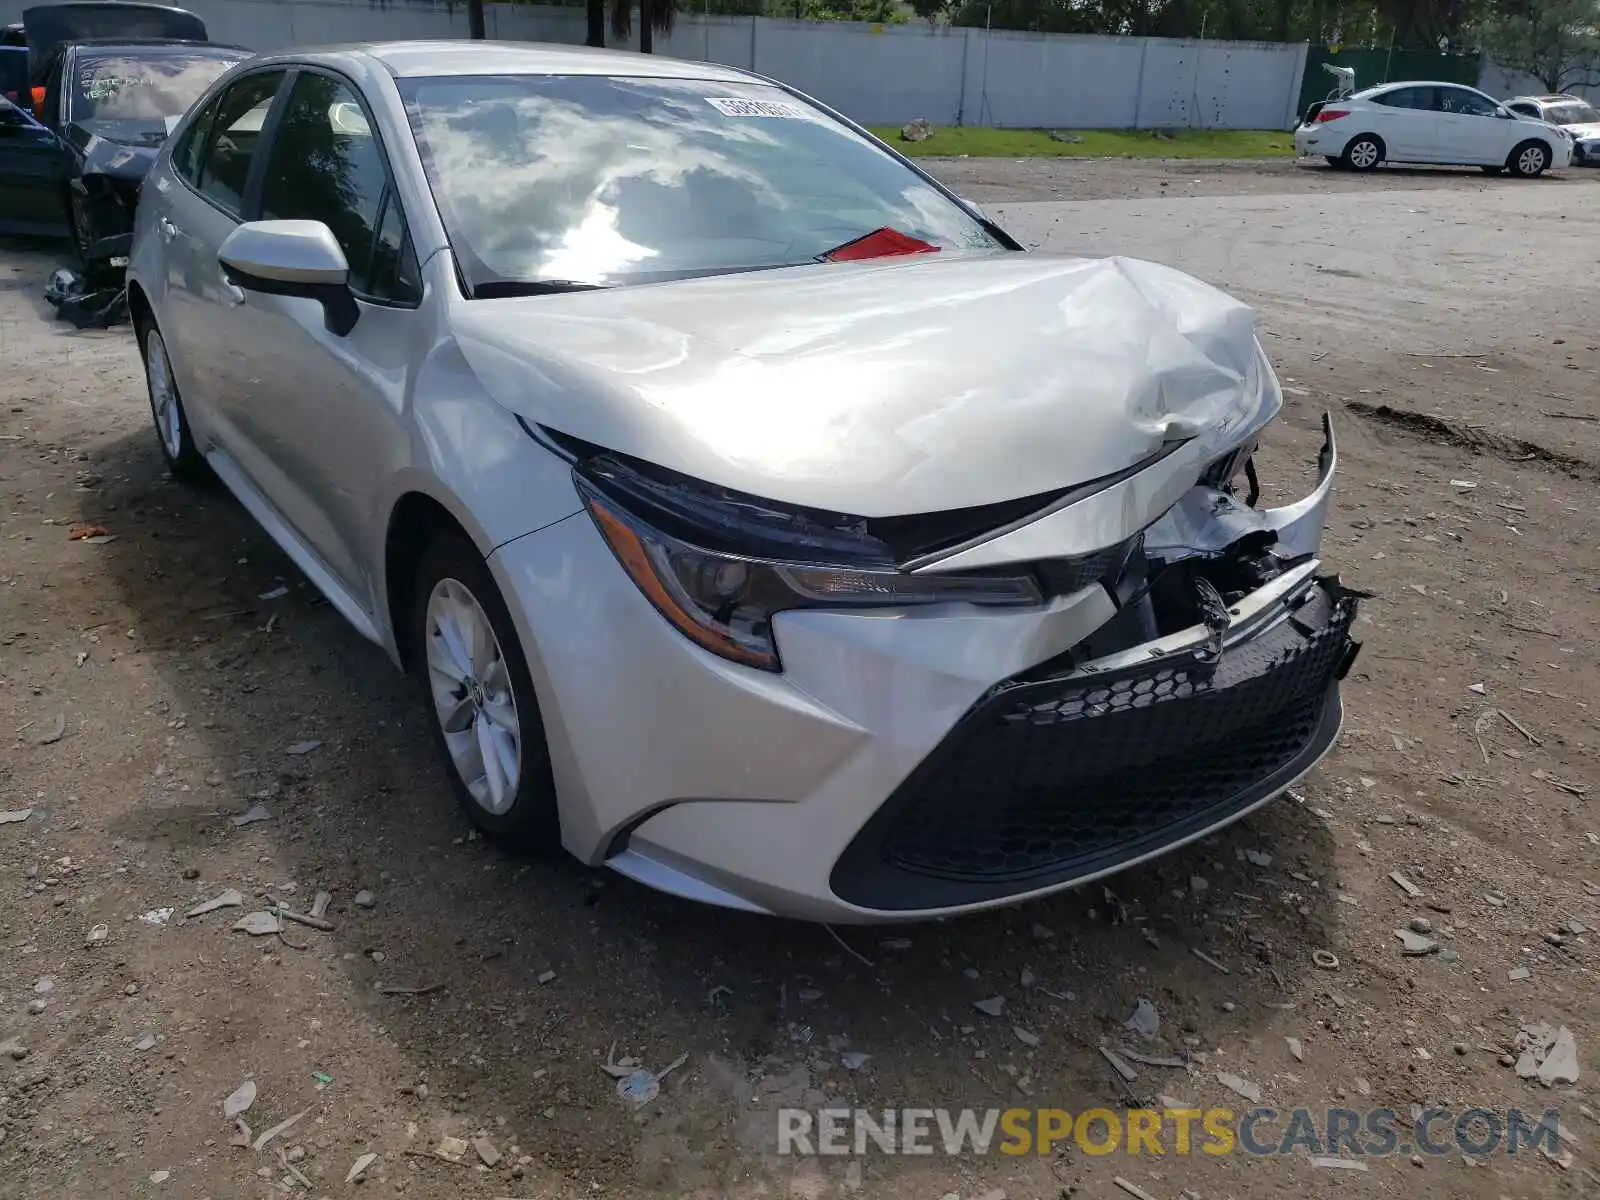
[1375, 65]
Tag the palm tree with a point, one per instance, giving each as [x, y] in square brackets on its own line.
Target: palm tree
[655, 17]
[597, 23]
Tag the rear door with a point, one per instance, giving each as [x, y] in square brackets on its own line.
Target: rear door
[215, 167]
[1474, 133]
[1408, 124]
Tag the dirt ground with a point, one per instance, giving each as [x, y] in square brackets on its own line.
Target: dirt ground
[154, 686]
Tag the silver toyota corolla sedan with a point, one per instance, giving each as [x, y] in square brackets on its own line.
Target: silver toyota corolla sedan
[756, 517]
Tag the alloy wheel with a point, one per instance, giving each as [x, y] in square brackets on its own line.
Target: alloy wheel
[472, 696]
[1364, 154]
[163, 396]
[1531, 160]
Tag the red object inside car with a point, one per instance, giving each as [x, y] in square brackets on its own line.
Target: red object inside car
[880, 243]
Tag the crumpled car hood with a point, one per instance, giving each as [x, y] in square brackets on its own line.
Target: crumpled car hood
[920, 384]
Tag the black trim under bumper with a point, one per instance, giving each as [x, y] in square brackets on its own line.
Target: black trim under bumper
[1047, 782]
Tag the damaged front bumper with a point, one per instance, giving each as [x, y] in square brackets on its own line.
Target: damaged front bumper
[1114, 753]
[97, 297]
[924, 762]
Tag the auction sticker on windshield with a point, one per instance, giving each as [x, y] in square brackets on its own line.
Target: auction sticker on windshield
[734, 106]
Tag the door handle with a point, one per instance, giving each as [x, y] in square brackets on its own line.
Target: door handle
[167, 228]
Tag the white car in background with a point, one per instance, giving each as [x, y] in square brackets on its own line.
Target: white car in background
[1439, 123]
[1573, 114]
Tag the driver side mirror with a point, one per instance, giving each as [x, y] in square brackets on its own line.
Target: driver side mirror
[1505, 114]
[293, 258]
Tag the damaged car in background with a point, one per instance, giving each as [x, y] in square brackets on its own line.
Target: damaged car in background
[756, 517]
[109, 80]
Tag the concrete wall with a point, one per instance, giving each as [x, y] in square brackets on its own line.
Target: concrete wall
[880, 75]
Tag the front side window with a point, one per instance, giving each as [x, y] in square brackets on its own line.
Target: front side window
[327, 164]
[1467, 104]
[142, 86]
[231, 137]
[599, 181]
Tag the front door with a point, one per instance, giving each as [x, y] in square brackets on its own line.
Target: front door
[327, 410]
[1472, 131]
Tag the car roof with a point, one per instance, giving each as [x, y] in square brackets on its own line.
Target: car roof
[1405, 83]
[430, 58]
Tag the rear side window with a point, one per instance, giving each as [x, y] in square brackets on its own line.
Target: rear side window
[230, 138]
[188, 148]
[327, 164]
[1412, 97]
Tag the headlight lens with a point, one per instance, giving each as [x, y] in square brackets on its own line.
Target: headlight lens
[722, 598]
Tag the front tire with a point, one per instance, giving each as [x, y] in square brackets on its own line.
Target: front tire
[82, 230]
[1529, 160]
[478, 694]
[1362, 153]
[184, 460]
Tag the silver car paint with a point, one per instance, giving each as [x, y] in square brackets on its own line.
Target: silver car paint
[320, 437]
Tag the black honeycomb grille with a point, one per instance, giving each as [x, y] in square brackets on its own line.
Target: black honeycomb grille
[1050, 777]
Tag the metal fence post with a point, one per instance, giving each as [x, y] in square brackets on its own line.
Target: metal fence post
[1138, 84]
[1296, 83]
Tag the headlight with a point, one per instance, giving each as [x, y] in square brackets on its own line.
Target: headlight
[719, 565]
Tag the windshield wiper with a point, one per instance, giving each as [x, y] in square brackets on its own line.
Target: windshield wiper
[499, 289]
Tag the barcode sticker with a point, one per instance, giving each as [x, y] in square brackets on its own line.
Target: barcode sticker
[733, 106]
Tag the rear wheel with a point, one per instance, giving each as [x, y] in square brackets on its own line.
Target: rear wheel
[1362, 152]
[479, 697]
[1529, 160]
[166, 408]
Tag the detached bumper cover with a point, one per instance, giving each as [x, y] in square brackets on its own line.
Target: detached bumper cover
[1053, 780]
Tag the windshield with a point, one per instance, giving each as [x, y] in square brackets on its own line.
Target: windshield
[1574, 113]
[601, 181]
[144, 84]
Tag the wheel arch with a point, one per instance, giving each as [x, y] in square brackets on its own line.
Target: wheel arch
[417, 516]
[1383, 146]
[1542, 143]
[140, 312]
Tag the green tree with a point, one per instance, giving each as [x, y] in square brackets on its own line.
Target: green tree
[1555, 41]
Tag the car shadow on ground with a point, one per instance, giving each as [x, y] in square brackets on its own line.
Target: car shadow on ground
[765, 1009]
